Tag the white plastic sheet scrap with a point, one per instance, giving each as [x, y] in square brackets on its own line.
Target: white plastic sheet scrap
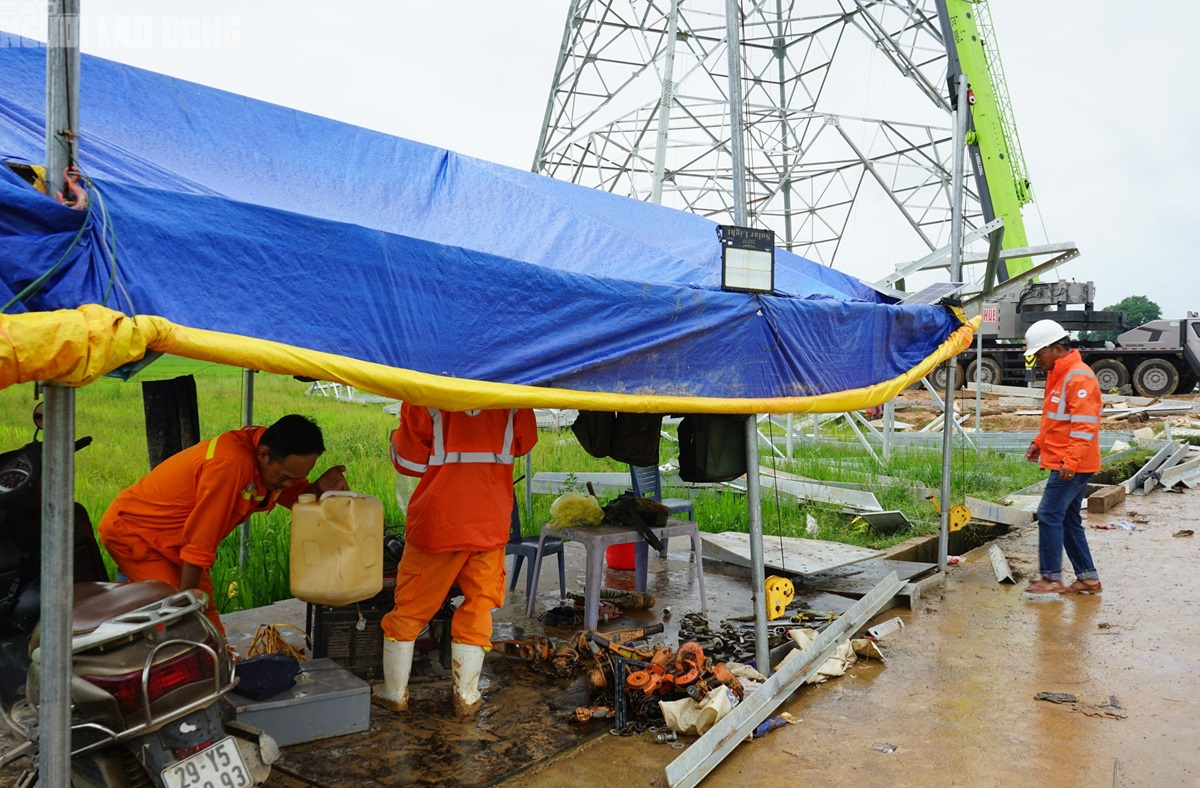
[693, 718]
[847, 654]
[750, 678]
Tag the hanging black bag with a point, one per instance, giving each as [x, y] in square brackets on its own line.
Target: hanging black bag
[594, 431]
[631, 438]
[712, 447]
[636, 438]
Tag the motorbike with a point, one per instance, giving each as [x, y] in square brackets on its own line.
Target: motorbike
[148, 668]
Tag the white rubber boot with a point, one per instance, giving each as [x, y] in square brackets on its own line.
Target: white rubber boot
[468, 663]
[397, 664]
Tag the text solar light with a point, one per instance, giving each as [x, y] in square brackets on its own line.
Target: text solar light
[747, 259]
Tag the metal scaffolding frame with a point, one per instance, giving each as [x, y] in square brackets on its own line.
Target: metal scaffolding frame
[640, 106]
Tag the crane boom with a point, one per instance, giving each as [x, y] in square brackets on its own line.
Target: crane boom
[992, 137]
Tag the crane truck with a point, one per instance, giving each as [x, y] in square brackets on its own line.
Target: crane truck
[1158, 359]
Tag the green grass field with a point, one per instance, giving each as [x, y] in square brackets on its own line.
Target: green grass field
[356, 436]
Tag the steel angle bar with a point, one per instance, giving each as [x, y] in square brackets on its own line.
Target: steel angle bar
[1134, 482]
[942, 253]
[1000, 564]
[863, 439]
[861, 419]
[770, 443]
[1170, 462]
[942, 404]
[1171, 477]
[819, 491]
[1066, 251]
[710, 749]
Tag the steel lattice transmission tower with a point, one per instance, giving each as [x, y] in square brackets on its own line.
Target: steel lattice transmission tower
[846, 119]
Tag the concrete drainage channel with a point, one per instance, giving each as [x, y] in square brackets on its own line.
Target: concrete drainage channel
[925, 548]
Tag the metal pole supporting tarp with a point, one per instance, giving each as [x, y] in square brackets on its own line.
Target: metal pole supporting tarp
[58, 513]
[956, 233]
[733, 19]
[978, 382]
[58, 450]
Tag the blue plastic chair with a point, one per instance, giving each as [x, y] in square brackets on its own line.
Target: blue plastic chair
[647, 483]
[523, 547]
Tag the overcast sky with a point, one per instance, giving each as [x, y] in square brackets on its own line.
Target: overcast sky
[1104, 95]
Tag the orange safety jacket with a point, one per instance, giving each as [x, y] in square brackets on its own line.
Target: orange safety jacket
[1069, 436]
[192, 500]
[464, 500]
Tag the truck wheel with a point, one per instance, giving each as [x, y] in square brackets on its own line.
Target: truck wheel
[937, 378]
[1110, 374]
[988, 373]
[1155, 377]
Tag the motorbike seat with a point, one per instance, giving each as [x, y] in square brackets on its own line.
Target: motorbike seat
[95, 603]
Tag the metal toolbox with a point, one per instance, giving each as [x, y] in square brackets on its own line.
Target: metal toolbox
[327, 701]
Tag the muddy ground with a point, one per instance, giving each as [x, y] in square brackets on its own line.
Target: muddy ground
[956, 695]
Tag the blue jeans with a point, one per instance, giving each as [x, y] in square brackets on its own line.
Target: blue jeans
[1060, 525]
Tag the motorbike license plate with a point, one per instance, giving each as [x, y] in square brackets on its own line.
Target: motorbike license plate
[219, 766]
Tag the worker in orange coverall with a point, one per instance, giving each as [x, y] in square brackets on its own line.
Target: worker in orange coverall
[168, 525]
[458, 524]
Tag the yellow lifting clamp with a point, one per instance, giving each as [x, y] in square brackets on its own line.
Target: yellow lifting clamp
[960, 515]
[779, 595]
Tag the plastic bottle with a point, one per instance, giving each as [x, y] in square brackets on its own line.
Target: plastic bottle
[337, 548]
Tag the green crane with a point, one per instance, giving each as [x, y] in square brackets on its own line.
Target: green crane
[995, 151]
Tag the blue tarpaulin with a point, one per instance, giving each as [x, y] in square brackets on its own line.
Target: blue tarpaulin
[253, 221]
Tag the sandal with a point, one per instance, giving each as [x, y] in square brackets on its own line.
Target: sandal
[1083, 587]
[1045, 586]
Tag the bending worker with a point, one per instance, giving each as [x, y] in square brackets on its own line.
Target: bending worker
[458, 524]
[1067, 445]
[168, 525]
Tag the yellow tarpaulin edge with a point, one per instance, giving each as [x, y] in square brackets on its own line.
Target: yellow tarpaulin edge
[76, 346]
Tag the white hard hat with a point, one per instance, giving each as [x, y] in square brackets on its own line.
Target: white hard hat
[1042, 334]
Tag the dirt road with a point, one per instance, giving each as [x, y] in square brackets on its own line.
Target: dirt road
[956, 696]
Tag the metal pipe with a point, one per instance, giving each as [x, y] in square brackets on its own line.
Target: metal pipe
[978, 384]
[247, 420]
[737, 145]
[947, 453]
[737, 153]
[889, 429]
[58, 450]
[664, 107]
[58, 514]
[758, 574]
[62, 91]
[529, 487]
[956, 232]
[785, 132]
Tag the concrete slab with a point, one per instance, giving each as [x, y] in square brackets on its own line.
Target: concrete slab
[857, 580]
